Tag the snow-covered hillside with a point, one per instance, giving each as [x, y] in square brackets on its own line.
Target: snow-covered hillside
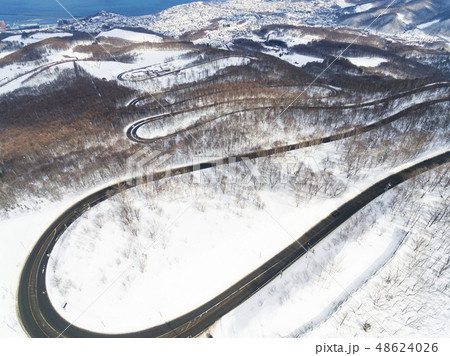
[155, 242]
[354, 283]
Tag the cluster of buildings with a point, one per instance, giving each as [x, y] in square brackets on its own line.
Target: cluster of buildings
[64, 22]
[30, 26]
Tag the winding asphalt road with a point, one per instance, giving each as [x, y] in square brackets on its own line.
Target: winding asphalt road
[40, 69]
[40, 319]
[143, 70]
[132, 130]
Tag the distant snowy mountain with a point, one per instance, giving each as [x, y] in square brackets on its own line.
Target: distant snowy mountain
[429, 16]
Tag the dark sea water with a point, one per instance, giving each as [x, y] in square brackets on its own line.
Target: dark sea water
[49, 11]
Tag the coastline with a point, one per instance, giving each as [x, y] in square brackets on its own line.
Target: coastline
[49, 16]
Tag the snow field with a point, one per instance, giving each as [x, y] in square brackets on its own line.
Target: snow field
[35, 37]
[162, 255]
[130, 35]
[339, 287]
[366, 61]
[401, 299]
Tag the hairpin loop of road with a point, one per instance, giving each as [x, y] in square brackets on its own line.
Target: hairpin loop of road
[39, 318]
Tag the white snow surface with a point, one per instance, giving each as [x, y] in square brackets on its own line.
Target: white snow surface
[26, 80]
[5, 53]
[19, 233]
[187, 74]
[363, 7]
[131, 35]
[339, 266]
[291, 38]
[111, 69]
[343, 4]
[300, 60]
[366, 61]
[403, 298]
[427, 24]
[36, 37]
[344, 272]
[178, 261]
[403, 18]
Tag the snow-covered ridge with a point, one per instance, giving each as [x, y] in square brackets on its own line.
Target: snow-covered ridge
[35, 37]
[130, 35]
[427, 24]
[363, 7]
[366, 61]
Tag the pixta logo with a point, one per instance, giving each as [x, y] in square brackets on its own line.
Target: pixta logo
[270, 171]
[142, 165]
